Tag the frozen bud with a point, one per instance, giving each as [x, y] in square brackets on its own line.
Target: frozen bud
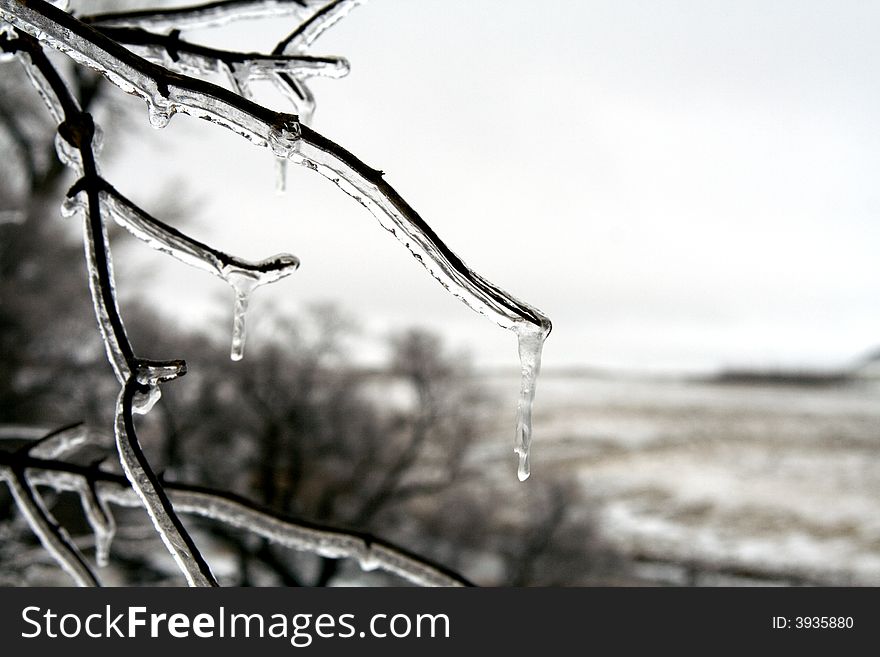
[73, 205]
[160, 111]
[285, 135]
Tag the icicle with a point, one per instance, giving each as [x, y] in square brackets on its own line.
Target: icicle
[97, 140]
[531, 342]
[243, 283]
[238, 75]
[160, 112]
[280, 175]
[298, 95]
[103, 540]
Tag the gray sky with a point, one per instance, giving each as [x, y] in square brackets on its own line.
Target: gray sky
[676, 184]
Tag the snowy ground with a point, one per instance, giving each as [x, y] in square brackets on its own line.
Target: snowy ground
[701, 480]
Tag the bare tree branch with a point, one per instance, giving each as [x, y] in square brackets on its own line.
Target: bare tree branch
[98, 42]
[369, 551]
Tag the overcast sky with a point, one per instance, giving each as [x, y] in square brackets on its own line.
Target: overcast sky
[676, 184]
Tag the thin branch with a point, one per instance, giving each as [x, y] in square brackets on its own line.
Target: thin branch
[167, 239]
[210, 14]
[77, 130]
[58, 442]
[171, 49]
[236, 511]
[167, 93]
[150, 491]
[51, 535]
[307, 32]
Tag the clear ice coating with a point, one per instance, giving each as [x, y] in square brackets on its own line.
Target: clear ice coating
[531, 343]
[280, 175]
[52, 536]
[243, 276]
[143, 402]
[283, 141]
[60, 443]
[159, 111]
[328, 15]
[100, 519]
[284, 137]
[243, 283]
[206, 15]
[130, 457]
[151, 375]
[325, 543]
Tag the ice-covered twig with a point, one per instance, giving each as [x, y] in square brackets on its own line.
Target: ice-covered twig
[172, 51]
[58, 442]
[241, 275]
[140, 379]
[167, 239]
[167, 93]
[322, 20]
[209, 14]
[100, 519]
[51, 535]
[146, 484]
[293, 87]
[236, 511]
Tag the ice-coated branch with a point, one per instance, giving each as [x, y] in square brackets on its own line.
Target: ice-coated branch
[100, 519]
[241, 275]
[235, 511]
[167, 239]
[167, 93]
[209, 14]
[322, 20]
[293, 87]
[146, 484]
[140, 379]
[59, 442]
[53, 537]
[175, 53]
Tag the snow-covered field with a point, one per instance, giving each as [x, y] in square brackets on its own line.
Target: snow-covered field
[717, 482]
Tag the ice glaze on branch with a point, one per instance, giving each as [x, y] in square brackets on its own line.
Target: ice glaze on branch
[210, 14]
[172, 51]
[167, 93]
[52, 536]
[322, 20]
[139, 378]
[238, 512]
